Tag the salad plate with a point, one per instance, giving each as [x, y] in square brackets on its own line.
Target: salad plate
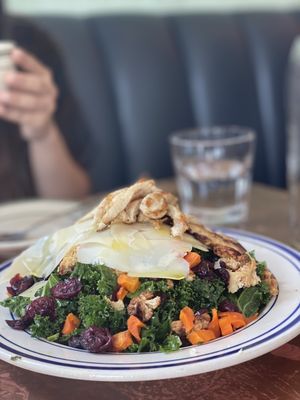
[256, 326]
[278, 323]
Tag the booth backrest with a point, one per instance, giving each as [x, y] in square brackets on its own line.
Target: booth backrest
[140, 77]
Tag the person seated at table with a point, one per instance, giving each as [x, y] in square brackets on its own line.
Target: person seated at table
[44, 150]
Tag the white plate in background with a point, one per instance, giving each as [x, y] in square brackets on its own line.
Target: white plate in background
[22, 215]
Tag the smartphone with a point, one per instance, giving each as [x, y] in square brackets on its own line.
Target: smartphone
[6, 64]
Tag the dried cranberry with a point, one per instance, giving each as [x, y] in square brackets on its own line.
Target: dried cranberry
[19, 324]
[227, 305]
[19, 285]
[96, 340]
[10, 291]
[185, 342]
[114, 293]
[75, 341]
[163, 297]
[223, 274]
[44, 306]
[201, 311]
[204, 269]
[25, 284]
[66, 289]
[15, 279]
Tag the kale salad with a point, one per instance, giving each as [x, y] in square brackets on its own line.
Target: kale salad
[136, 274]
[100, 309]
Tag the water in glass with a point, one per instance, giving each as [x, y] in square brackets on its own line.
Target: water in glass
[214, 180]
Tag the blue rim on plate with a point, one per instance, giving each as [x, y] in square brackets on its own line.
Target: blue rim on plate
[50, 358]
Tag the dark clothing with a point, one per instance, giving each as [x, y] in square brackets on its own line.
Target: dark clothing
[15, 175]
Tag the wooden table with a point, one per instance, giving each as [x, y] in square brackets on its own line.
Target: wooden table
[275, 376]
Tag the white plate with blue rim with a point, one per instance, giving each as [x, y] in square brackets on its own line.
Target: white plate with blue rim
[277, 324]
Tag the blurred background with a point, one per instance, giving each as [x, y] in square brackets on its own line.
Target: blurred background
[140, 70]
[79, 7]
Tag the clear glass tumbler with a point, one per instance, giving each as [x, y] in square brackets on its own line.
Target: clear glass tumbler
[213, 169]
[293, 142]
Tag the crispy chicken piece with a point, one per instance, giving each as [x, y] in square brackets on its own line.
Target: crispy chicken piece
[234, 261]
[143, 305]
[220, 244]
[142, 218]
[130, 214]
[154, 205]
[170, 198]
[179, 221]
[104, 205]
[117, 202]
[242, 272]
[230, 254]
[141, 202]
[68, 263]
[156, 223]
[132, 210]
[271, 281]
[241, 267]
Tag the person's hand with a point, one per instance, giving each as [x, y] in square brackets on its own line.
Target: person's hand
[31, 96]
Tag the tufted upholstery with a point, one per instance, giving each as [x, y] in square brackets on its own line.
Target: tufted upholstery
[140, 77]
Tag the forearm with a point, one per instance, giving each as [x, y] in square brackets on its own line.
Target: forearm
[55, 172]
[30, 100]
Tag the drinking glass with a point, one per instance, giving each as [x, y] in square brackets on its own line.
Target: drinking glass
[213, 168]
[293, 145]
